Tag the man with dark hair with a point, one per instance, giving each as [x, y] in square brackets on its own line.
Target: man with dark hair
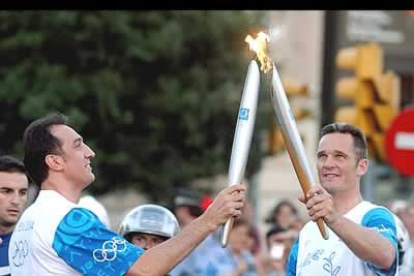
[14, 186]
[55, 236]
[362, 236]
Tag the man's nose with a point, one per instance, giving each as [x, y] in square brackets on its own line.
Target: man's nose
[16, 199]
[329, 162]
[89, 152]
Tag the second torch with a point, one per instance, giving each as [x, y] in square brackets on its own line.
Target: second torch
[243, 134]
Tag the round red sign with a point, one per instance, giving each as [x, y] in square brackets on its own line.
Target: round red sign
[399, 142]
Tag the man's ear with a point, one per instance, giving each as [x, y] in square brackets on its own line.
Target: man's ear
[54, 162]
[362, 167]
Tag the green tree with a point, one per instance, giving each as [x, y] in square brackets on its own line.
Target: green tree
[155, 94]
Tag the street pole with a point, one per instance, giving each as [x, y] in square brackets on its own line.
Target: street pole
[369, 180]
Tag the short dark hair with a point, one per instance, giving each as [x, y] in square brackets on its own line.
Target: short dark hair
[11, 164]
[189, 199]
[358, 137]
[195, 211]
[38, 142]
[276, 229]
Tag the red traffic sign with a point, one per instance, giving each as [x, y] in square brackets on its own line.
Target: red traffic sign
[399, 142]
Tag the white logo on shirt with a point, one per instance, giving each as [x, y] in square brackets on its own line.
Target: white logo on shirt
[21, 250]
[382, 229]
[109, 250]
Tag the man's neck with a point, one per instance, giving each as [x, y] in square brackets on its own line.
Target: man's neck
[344, 202]
[6, 229]
[63, 187]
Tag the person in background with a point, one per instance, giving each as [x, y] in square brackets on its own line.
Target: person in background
[362, 236]
[278, 242]
[14, 186]
[148, 225]
[57, 237]
[285, 215]
[407, 218]
[91, 203]
[235, 259]
[254, 242]
[206, 201]
[188, 206]
[254, 246]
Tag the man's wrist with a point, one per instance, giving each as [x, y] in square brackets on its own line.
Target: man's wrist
[206, 223]
[337, 222]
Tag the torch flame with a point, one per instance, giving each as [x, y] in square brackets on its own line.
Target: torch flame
[259, 45]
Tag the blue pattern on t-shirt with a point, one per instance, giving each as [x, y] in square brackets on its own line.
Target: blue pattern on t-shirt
[383, 221]
[90, 248]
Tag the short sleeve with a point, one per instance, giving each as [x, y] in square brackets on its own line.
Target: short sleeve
[383, 221]
[90, 248]
[293, 259]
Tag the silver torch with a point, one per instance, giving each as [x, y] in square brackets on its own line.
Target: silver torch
[243, 134]
[292, 139]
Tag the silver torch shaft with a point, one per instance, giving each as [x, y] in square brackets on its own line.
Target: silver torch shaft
[292, 139]
[243, 135]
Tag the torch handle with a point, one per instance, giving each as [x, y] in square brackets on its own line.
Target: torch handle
[321, 225]
[305, 185]
[303, 179]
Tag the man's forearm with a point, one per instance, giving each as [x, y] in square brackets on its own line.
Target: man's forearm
[367, 244]
[160, 259]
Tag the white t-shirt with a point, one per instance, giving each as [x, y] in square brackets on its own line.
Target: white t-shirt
[56, 237]
[311, 255]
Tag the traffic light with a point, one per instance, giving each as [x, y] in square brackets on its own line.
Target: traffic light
[293, 88]
[374, 94]
[386, 107]
[275, 139]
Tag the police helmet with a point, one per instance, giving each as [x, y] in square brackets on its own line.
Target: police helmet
[149, 219]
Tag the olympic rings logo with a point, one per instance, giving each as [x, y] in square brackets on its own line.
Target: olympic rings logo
[109, 250]
[21, 250]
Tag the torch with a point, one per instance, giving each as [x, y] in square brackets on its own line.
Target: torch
[287, 123]
[243, 135]
[292, 139]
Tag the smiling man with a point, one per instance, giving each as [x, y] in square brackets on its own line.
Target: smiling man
[55, 236]
[14, 187]
[362, 236]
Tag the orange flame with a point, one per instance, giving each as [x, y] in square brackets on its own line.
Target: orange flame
[259, 45]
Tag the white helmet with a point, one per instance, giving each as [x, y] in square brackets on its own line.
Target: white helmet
[403, 239]
[149, 219]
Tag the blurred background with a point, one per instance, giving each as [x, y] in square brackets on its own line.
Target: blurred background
[156, 95]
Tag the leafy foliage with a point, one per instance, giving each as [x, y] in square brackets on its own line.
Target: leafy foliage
[155, 94]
